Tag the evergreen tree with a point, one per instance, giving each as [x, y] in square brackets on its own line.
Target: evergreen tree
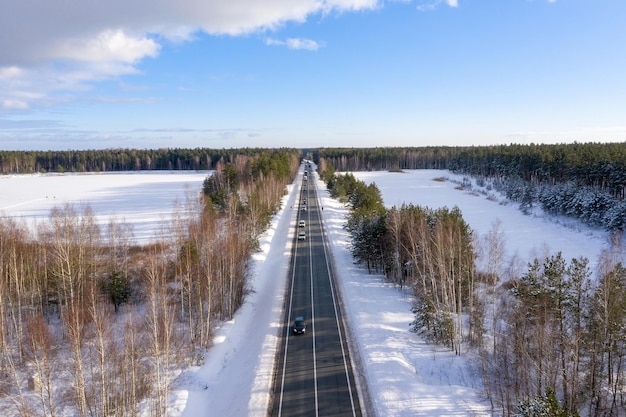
[117, 287]
[543, 406]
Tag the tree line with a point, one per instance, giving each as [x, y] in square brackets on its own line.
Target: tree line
[549, 336]
[583, 180]
[92, 324]
[27, 162]
[600, 165]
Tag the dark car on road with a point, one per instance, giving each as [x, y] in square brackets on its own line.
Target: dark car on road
[299, 325]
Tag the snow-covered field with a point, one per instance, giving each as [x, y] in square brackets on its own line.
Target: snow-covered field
[526, 235]
[144, 199]
[405, 376]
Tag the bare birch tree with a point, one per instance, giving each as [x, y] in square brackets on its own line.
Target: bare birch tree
[74, 319]
[159, 322]
[41, 352]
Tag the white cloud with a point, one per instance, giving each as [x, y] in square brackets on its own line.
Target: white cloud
[14, 104]
[78, 29]
[303, 44]
[296, 43]
[7, 73]
[351, 5]
[42, 40]
[41, 85]
[429, 5]
[107, 46]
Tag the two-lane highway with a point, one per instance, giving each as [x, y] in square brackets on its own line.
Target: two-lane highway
[314, 373]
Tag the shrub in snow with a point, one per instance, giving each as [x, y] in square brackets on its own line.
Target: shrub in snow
[543, 406]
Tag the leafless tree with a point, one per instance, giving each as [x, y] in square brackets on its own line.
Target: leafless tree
[74, 319]
[159, 320]
[74, 243]
[41, 353]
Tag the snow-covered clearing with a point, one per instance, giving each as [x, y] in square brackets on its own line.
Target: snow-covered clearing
[405, 376]
[144, 199]
[527, 236]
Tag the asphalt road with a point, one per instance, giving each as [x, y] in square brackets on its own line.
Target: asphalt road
[314, 374]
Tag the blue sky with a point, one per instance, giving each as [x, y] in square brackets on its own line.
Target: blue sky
[307, 73]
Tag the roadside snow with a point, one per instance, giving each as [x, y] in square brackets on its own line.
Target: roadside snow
[236, 377]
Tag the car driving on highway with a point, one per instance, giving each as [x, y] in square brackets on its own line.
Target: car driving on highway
[301, 236]
[299, 325]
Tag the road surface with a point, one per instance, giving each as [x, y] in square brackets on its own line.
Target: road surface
[314, 375]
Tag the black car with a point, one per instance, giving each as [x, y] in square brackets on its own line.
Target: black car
[299, 325]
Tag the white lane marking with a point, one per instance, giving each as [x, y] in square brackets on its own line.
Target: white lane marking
[343, 353]
[313, 317]
[282, 382]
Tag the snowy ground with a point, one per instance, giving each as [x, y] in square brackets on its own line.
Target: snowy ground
[405, 376]
[526, 236]
[144, 199]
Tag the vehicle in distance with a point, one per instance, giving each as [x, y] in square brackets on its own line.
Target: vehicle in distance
[299, 325]
[301, 223]
[301, 236]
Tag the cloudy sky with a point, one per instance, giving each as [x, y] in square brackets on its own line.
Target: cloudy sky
[77, 74]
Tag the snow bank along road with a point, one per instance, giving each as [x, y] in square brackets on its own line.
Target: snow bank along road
[313, 370]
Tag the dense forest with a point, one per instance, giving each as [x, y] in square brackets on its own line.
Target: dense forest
[593, 164]
[26, 162]
[94, 325]
[549, 339]
[601, 165]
